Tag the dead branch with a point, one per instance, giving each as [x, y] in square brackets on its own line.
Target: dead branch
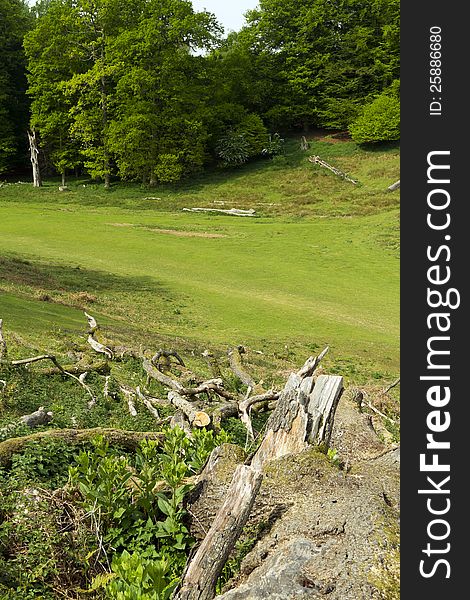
[238, 369]
[167, 354]
[27, 361]
[213, 364]
[316, 160]
[92, 324]
[394, 186]
[391, 386]
[129, 394]
[100, 348]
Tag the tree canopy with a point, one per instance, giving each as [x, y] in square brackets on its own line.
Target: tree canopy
[151, 90]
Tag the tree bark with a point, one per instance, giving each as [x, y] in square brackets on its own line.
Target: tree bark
[201, 576]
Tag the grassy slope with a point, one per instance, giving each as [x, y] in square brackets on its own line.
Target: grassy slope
[319, 265]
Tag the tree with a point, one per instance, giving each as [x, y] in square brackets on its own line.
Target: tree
[379, 120]
[157, 132]
[118, 82]
[15, 19]
[330, 57]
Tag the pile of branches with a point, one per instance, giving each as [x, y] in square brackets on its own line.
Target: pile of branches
[197, 402]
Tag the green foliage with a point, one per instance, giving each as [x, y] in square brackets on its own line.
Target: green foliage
[140, 578]
[379, 121]
[248, 140]
[233, 149]
[15, 20]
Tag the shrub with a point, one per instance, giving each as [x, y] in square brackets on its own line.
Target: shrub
[247, 140]
[379, 121]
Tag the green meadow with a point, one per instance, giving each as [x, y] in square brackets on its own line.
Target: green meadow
[317, 265]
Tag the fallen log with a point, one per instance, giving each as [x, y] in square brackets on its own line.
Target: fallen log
[394, 186]
[129, 440]
[316, 160]
[236, 212]
[196, 418]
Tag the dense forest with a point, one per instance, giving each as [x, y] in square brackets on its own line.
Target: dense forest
[152, 90]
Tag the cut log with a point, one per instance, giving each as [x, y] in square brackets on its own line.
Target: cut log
[394, 186]
[316, 160]
[201, 576]
[196, 418]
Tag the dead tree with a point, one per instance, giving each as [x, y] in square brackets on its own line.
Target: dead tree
[34, 156]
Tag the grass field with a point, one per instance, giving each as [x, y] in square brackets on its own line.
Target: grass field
[318, 265]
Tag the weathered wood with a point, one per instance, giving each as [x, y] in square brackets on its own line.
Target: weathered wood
[196, 418]
[316, 160]
[236, 212]
[179, 420]
[304, 415]
[238, 369]
[201, 576]
[34, 157]
[213, 364]
[128, 440]
[154, 373]
[38, 417]
[129, 394]
[92, 324]
[102, 368]
[100, 348]
[167, 354]
[394, 186]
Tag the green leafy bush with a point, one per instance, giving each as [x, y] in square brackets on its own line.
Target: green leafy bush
[379, 121]
[247, 140]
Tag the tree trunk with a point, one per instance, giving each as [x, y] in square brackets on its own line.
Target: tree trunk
[34, 156]
[63, 178]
